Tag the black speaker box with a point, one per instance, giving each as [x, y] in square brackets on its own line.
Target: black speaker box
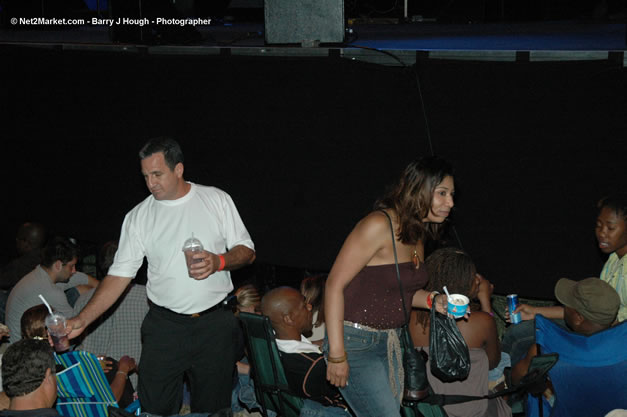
[304, 22]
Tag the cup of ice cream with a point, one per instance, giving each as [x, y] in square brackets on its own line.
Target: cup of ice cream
[457, 305]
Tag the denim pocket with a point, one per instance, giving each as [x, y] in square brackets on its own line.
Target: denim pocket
[356, 340]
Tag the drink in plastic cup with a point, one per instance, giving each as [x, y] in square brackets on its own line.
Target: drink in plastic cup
[458, 305]
[191, 247]
[56, 328]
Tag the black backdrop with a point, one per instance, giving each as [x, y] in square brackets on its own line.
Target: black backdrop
[305, 146]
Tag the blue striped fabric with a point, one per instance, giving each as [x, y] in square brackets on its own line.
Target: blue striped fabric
[82, 387]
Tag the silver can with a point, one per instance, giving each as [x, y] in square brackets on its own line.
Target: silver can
[512, 304]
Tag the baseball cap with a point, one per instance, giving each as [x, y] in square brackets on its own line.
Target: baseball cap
[593, 298]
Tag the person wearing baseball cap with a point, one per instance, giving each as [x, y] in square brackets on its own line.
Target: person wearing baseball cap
[590, 306]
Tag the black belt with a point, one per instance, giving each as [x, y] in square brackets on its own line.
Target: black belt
[199, 314]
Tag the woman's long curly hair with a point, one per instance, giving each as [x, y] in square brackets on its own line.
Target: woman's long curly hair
[410, 197]
[451, 267]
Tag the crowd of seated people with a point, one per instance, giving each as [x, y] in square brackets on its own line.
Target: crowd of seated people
[297, 316]
[611, 234]
[55, 274]
[115, 339]
[117, 371]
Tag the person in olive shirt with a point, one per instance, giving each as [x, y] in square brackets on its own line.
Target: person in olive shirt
[305, 367]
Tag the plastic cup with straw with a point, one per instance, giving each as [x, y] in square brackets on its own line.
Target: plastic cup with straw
[191, 247]
[56, 324]
[457, 304]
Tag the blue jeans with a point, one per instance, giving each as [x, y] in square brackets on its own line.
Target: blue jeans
[497, 372]
[368, 392]
[315, 409]
[244, 393]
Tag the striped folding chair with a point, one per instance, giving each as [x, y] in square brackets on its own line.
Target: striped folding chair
[82, 387]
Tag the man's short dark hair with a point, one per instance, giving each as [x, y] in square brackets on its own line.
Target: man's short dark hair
[59, 249]
[24, 366]
[172, 152]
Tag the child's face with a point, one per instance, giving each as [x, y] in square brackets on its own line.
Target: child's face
[611, 232]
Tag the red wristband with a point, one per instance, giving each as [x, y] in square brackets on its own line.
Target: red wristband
[222, 262]
[430, 298]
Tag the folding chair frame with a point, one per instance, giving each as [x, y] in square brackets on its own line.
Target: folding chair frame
[273, 392]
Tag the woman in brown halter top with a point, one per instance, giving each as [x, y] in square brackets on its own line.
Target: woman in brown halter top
[363, 310]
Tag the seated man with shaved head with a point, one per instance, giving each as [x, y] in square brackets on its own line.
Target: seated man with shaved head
[305, 367]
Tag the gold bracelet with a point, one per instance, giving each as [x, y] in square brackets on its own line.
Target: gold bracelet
[338, 360]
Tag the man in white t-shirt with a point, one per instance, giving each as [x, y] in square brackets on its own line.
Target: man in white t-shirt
[186, 331]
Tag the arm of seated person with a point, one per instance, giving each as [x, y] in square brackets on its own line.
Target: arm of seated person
[126, 365]
[521, 368]
[528, 312]
[242, 368]
[492, 345]
[91, 284]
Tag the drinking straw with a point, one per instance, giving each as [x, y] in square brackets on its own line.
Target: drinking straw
[46, 303]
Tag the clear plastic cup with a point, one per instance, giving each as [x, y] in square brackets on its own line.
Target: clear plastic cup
[56, 328]
[191, 247]
[457, 305]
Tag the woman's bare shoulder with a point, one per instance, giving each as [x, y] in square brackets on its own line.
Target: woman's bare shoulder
[375, 223]
[477, 329]
[481, 319]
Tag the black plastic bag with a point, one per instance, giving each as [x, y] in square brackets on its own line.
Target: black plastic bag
[448, 351]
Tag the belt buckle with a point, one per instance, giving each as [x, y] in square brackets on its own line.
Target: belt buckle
[195, 315]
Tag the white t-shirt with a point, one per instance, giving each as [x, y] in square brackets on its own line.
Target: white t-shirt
[157, 230]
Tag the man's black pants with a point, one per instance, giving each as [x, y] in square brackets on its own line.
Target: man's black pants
[175, 345]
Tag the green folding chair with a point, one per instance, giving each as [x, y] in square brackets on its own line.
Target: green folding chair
[271, 388]
[420, 409]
